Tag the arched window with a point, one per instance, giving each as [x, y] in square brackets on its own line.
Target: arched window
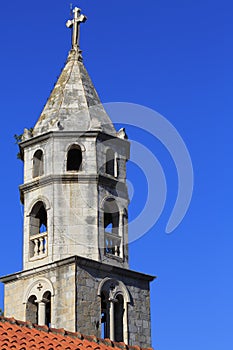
[114, 309]
[119, 318]
[38, 299]
[32, 310]
[38, 219]
[38, 164]
[111, 216]
[38, 231]
[111, 227]
[104, 316]
[47, 300]
[110, 162]
[74, 158]
[33, 306]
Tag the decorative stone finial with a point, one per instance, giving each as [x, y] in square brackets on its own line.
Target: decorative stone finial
[75, 24]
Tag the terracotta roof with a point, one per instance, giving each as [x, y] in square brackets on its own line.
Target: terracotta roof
[21, 335]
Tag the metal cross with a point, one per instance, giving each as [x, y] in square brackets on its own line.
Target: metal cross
[75, 24]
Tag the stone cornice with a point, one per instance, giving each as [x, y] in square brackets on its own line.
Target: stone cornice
[78, 178]
[58, 134]
[46, 180]
[79, 261]
[69, 134]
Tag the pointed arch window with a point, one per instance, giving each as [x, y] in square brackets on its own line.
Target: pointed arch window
[38, 231]
[38, 163]
[111, 227]
[74, 158]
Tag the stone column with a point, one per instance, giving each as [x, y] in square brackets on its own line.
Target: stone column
[111, 312]
[121, 233]
[125, 322]
[115, 166]
[41, 312]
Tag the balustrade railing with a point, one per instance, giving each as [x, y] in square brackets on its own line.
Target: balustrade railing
[38, 245]
[112, 244]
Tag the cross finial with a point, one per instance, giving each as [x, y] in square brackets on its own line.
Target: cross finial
[75, 24]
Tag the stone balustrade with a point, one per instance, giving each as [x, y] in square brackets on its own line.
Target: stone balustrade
[38, 245]
[112, 244]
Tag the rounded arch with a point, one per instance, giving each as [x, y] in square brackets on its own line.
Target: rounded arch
[42, 199]
[38, 224]
[38, 227]
[38, 288]
[111, 218]
[110, 197]
[38, 300]
[47, 300]
[75, 144]
[119, 311]
[111, 206]
[41, 148]
[31, 313]
[115, 286]
[74, 157]
[38, 163]
[104, 199]
[114, 308]
[38, 153]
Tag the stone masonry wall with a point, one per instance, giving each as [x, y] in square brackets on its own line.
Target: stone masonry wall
[62, 302]
[89, 304]
[75, 304]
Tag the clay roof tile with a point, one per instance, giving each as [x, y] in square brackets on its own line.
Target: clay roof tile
[20, 335]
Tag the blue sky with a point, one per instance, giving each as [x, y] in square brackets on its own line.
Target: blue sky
[176, 58]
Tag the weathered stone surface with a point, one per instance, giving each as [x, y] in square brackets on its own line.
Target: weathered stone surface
[63, 300]
[74, 103]
[73, 255]
[76, 305]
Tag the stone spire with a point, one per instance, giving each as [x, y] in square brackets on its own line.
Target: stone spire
[75, 238]
[74, 104]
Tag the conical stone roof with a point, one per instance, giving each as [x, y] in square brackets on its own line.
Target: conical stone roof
[74, 104]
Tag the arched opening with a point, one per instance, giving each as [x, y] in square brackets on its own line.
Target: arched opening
[111, 227]
[74, 158]
[104, 316]
[114, 305]
[38, 164]
[110, 162]
[47, 301]
[38, 300]
[111, 216]
[38, 219]
[118, 318]
[38, 230]
[32, 310]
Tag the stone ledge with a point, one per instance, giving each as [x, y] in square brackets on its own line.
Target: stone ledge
[78, 261]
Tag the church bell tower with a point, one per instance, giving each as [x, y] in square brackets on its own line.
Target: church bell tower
[75, 252]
